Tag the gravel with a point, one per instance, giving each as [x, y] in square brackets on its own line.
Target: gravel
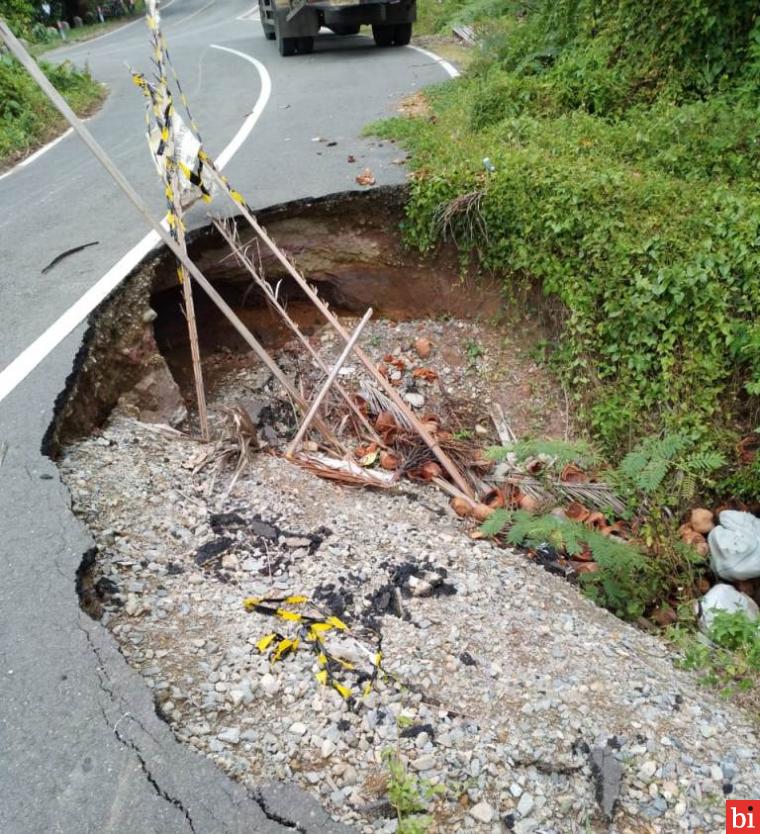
[498, 690]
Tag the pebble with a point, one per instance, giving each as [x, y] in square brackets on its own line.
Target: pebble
[580, 672]
[525, 805]
[414, 399]
[230, 735]
[424, 763]
[270, 684]
[482, 812]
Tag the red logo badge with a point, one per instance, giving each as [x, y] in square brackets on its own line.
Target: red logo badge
[743, 816]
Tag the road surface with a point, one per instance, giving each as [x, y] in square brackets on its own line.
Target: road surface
[82, 748]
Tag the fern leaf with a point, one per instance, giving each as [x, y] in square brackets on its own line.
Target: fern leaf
[496, 522]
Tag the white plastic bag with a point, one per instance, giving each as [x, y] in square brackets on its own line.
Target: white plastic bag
[724, 598]
[735, 546]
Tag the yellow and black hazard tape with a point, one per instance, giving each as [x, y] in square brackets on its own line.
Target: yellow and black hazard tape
[310, 630]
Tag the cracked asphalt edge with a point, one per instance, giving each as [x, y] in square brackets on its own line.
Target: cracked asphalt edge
[209, 801]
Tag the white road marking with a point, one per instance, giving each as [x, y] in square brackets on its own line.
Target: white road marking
[266, 90]
[14, 373]
[37, 154]
[140, 19]
[442, 62]
[192, 14]
[251, 14]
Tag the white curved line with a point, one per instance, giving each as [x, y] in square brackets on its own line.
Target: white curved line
[140, 19]
[37, 154]
[14, 373]
[442, 62]
[247, 126]
[192, 14]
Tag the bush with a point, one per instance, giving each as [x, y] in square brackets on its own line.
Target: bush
[26, 116]
[626, 140]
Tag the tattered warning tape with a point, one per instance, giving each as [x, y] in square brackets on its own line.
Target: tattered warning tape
[340, 654]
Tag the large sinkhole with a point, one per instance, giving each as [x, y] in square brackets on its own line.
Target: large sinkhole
[183, 533]
[350, 248]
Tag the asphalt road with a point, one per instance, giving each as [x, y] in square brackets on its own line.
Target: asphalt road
[81, 747]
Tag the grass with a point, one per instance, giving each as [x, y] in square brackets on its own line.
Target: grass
[623, 187]
[83, 33]
[27, 119]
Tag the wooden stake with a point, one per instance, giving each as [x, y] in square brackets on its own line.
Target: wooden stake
[430, 441]
[328, 382]
[192, 328]
[84, 134]
[272, 298]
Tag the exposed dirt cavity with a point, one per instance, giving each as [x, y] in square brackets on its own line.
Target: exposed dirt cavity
[350, 248]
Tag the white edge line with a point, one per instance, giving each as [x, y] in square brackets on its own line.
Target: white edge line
[249, 15]
[45, 148]
[37, 154]
[141, 19]
[15, 373]
[442, 62]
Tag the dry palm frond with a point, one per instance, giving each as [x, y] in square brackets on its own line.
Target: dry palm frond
[598, 495]
[377, 401]
[465, 455]
[462, 218]
[345, 472]
[234, 447]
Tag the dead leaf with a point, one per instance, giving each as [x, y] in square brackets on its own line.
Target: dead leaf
[664, 615]
[573, 474]
[366, 177]
[494, 498]
[427, 374]
[481, 512]
[388, 461]
[461, 506]
[426, 472]
[577, 512]
[390, 359]
[585, 567]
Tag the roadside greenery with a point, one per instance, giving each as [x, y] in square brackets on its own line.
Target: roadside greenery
[644, 564]
[729, 658]
[625, 140]
[26, 117]
[409, 795]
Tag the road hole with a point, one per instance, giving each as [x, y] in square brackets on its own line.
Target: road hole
[178, 548]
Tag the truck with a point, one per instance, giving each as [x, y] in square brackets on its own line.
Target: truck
[295, 23]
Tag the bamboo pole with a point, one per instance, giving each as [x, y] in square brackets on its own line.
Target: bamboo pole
[84, 134]
[172, 181]
[328, 382]
[192, 328]
[430, 441]
[272, 299]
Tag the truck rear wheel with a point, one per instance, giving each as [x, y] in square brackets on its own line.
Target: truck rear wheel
[402, 34]
[266, 24]
[287, 46]
[383, 33]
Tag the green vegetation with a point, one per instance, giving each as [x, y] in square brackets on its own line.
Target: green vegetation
[730, 659]
[27, 119]
[625, 144]
[657, 479]
[409, 795]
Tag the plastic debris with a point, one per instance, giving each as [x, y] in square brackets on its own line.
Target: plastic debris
[735, 546]
[724, 597]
